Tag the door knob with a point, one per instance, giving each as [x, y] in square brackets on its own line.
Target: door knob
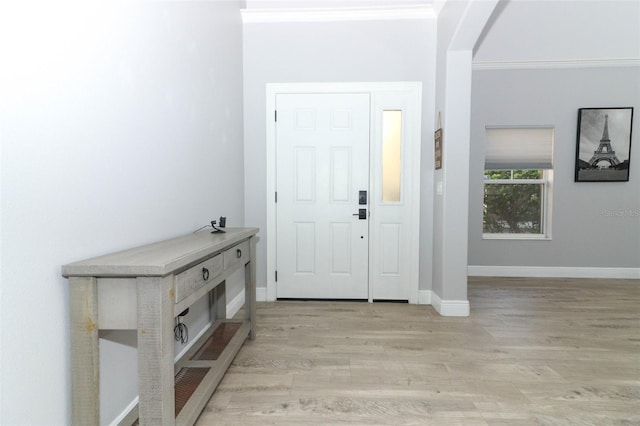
[362, 214]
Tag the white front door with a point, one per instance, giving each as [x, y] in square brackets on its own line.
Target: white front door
[330, 141]
[322, 164]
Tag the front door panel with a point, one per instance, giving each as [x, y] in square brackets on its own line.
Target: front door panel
[322, 156]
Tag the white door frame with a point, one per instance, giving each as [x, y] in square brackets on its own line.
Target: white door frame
[412, 88]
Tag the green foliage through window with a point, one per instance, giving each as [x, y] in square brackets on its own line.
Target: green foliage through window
[512, 174]
[513, 208]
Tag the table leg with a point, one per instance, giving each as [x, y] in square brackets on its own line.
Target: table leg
[155, 351]
[85, 356]
[250, 288]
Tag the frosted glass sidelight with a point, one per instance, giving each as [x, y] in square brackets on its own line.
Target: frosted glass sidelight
[391, 155]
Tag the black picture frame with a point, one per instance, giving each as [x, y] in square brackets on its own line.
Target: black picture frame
[603, 145]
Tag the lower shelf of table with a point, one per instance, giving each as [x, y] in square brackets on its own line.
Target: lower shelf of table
[201, 369]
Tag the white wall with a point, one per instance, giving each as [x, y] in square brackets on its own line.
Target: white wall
[120, 124]
[595, 224]
[329, 52]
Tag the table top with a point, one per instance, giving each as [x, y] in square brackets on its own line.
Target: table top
[160, 258]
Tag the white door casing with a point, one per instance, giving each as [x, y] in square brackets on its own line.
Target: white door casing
[394, 233]
[322, 153]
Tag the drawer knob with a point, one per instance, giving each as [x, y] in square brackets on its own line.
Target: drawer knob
[205, 274]
[238, 253]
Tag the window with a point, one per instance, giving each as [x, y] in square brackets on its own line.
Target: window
[391, 155]
[517, 182]
[514, 202]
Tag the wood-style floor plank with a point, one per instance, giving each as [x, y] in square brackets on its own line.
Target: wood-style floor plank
[532, 352]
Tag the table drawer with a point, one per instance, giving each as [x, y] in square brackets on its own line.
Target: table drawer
[236, 254]
[195, 277]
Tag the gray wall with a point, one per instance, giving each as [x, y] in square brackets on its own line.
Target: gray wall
[330, 52]
[585, 231]
[444, 265]
[120, 125]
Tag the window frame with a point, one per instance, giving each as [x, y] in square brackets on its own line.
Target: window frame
[545, 214]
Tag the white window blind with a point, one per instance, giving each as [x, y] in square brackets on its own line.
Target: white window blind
[509, 148]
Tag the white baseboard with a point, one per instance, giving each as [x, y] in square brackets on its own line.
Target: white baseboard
[450, 308]
[424, 297]
[132, 406]
[234, 306]
[261, 294]
[552, 272]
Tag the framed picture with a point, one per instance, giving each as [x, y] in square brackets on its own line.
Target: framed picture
[438, 146]
[603, 147]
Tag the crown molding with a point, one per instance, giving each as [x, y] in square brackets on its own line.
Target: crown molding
[381, 13]
[549, 64]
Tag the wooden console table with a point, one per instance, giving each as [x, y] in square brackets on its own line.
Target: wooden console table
[144, 289]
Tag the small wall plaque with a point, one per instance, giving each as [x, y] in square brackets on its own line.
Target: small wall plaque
[438, 146]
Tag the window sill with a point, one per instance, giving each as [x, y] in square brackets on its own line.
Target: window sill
[521, 237]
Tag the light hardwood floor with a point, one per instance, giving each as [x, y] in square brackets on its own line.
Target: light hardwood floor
[533, 352]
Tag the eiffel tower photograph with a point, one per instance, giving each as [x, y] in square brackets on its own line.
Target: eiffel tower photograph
[603, 147]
